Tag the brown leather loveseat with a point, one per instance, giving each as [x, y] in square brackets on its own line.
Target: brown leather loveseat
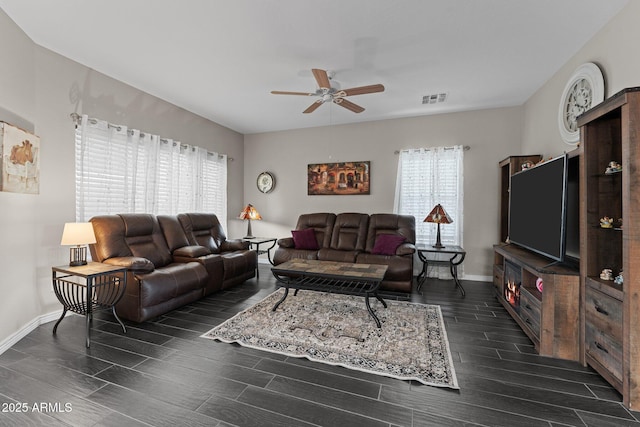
[167, 266]
[356, 238]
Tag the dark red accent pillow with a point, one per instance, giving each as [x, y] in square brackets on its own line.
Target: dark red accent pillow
[386, 244]
[305, 239]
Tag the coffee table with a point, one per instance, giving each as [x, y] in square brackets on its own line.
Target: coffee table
[332, 277]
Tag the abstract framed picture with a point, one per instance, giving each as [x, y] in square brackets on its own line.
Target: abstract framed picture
[20, 163]
[344, 178]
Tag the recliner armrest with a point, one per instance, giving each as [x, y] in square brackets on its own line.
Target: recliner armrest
[133, 263]
[191, 251]
[234, 245]
[286, 242]
[406, 249]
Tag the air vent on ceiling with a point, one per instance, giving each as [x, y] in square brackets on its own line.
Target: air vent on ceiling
[434, 98]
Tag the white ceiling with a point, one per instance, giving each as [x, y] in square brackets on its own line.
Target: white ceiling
[221, 58]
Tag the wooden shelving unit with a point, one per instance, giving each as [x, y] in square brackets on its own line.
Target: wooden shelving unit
[610, 317]
[508, 167]
[551, 318]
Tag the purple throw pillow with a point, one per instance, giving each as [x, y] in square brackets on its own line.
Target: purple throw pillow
[386, 244]
[305, 239]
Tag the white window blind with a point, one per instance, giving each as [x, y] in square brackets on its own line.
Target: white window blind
[426, 177]
[120, 170]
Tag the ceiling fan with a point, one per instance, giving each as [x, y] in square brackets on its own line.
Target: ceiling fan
[327, 93]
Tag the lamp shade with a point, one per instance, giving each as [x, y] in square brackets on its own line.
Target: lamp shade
[249, 212]
[78, 233]
[438, 215]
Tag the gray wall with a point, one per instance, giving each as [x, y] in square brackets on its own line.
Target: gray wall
[614, 50]
[39, 90]
[491, 134]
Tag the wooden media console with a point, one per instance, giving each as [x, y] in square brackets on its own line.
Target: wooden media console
[551, 318]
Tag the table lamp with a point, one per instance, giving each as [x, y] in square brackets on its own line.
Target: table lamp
[249, 213]
[78, 234]
[439, 216]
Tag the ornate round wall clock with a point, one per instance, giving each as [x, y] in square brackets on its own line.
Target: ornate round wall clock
[584, 90]
[266, 182]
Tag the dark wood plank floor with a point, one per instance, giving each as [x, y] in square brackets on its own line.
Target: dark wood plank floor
[161, 373]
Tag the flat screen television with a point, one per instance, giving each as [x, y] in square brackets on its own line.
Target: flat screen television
[538, 208]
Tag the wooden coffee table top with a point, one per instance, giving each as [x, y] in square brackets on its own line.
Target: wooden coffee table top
[331, 268]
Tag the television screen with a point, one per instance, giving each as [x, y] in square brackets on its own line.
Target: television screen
[537, 208]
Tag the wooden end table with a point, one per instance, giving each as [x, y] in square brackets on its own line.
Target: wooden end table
[89, 288]
[457, 257]
[332, 277]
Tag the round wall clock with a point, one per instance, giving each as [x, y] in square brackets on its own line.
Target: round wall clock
[266, 182]
[584, 90]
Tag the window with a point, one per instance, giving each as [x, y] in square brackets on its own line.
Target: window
[426, 177]
[120, 170]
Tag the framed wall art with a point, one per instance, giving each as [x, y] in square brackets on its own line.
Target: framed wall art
[20, 163]
[345, 178]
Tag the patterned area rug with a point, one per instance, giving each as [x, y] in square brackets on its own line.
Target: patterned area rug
[337, 329]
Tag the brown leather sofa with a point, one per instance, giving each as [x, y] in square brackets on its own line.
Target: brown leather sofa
[351, 237]
[166, 267]
[322, 225]
[238, 263]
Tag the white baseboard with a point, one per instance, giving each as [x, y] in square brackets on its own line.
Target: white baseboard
[9, 342]
[477, 278]
[468, 277]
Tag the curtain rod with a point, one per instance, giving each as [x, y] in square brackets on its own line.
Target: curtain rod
[77, 118]
[465, 148]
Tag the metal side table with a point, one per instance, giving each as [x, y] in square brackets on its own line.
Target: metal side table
[89, 288]
[257, 241]
[457, 257]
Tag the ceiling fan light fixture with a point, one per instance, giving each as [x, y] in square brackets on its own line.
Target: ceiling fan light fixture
[328, 93]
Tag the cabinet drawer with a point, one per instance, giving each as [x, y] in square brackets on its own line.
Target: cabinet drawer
[603, 348]
[530, 310]
[604, 313]
[529, 304]
[532, 323]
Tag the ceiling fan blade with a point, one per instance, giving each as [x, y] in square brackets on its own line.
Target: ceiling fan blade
[313, 107]
[361, 90]
[284, 92]
[348, 105]
[322, 78]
